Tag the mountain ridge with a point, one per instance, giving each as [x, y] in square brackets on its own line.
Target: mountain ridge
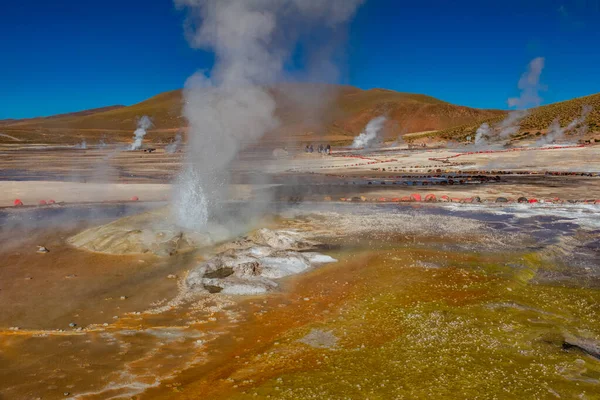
[342, 113]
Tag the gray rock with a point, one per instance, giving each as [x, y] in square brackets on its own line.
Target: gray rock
[587, 345]
[251, 264]
[320, 339]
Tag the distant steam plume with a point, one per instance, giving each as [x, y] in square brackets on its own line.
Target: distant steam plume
[399, 140]
[556, 132]
[175, 144]
[143, 125]
[102, 142]
[232, 107]
[530, 87]
[371, 135]
[82, 145]
[483, 132]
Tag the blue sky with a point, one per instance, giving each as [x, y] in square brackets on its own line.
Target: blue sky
[69, 55]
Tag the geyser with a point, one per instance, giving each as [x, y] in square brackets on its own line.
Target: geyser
[232, 107]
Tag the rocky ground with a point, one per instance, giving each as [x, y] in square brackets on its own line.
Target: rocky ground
[321, 298]
[107, 174]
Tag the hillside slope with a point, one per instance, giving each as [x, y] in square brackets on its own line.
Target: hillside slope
[539, 119]
[343, 111]
[62, 117]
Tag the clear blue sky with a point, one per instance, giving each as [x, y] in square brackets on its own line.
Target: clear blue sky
[71, 55]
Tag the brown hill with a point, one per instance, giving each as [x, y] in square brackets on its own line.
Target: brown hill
[307, 110]
[538, 120]
[61, 117]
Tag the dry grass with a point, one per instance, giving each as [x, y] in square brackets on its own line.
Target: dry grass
[538, 120]
[566, 111]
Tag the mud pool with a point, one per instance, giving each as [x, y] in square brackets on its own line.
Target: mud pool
[439, 301]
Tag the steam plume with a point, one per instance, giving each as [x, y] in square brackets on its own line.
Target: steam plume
[556, 132]
[232, 108]
[82, 145]
[143, 125]
[175, 144]
[530, 87]
[370, 135]
[482, 134]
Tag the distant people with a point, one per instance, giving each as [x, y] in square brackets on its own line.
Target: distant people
[328, 149]
[306, 149]
[311, 149]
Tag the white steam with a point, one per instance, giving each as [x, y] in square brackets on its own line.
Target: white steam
[143, 125]
[232, 107]
[556, 132]
[511, 124]
[175, 144]
[483, 132]
[192, 195]
[530, 87]
[371, 135]
[82, 145]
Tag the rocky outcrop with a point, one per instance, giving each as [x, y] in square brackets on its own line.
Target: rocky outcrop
[150, 232]
[587, 345]
[252, 264]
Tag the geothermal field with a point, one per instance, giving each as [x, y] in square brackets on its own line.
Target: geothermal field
[266, 232]
[362, 273]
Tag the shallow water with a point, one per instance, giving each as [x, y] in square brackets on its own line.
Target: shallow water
[425, 302]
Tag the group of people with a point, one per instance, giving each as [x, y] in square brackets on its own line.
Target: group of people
[321, 149]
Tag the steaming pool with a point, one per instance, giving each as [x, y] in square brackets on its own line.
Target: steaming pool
[437, 301]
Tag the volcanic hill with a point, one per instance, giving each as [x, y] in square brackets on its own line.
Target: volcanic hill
[306, 112]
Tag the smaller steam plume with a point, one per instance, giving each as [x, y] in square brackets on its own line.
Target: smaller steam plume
[143, 125]
[82, 145]
[400, 138]
[556, 132]
[371, 135]
[175, 144]
[483, 132]
[511, 124]
[530, 87]
[398, 142]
